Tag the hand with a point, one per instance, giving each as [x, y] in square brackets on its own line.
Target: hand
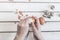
[22, 29]
[36, 32]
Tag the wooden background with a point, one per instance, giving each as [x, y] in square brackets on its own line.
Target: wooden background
[8, 17]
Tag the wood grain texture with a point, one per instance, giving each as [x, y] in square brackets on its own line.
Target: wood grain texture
[11, 16]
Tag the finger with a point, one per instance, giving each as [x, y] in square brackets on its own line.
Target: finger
[19, 17]
[35, 21]
[20, 21]
[19, 24]
[20, 12]
[38, 23]
[34, 27]
[26, 15]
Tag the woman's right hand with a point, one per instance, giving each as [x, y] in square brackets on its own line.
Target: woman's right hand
[36, 32]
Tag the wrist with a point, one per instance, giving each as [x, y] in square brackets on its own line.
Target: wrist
[19, 37]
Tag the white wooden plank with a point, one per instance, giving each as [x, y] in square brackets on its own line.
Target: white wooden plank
[35, 0]
[8, 27]
[46, 36]
[22, 6]
[28, 6]
[16, 0]
[8, 16]
[51, 26]
[28, 0]
[14, 16]
[51, 36]
[7, 36]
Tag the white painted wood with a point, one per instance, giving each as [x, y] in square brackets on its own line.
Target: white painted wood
[51, 36]
[14, 16]
[52, 26]
[28, 6]
[46, 36]
[35, 0]
[8, 17]
[49, 26]
[7, 36]
[8, 27]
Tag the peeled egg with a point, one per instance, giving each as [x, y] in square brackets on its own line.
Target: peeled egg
[33, 19]
[30, 20]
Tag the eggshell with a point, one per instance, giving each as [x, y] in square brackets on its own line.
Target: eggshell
[41, 20]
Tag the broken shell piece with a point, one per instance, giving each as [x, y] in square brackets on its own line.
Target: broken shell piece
[52, 7]
[48, 14]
